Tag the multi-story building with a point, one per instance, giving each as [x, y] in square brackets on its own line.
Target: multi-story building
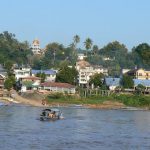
[22, 72]
[142, 74]
[139, 74]
[86, 70]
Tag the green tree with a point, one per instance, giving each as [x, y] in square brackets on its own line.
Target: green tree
[42, 76]
[8, 65]
[97, 80]
[9, 83]
[127, 82]
[95, 49]
[76, 40]
[67, 75]
[12, 49]
[140, 88]
[88, 44]
[143, 50]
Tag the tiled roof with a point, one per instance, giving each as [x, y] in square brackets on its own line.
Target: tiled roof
[31, 78]
[57, 84]
[83, 64]
[47, 72]
[112, 81]
[143, 82]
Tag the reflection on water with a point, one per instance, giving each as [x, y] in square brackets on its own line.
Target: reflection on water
[81, 129]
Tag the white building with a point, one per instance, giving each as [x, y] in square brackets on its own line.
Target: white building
[81, 56]
[86, 71]
[22, 72]
[30, 83]
[50, 74]
[36, 47]
[108, 58]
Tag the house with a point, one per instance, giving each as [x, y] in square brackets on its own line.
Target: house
[58, 87]
[86, 70]
[145, 83]
[112, 83]
[21, 72]
[139, 74]
[50, 74]
[30, 83]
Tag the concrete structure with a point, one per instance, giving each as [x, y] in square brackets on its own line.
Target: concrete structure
[36, 47]
[140, 74]
[21, 72]
[30, 83]
[50, 74]
[86, 71]
[81, 56]
[58, 87]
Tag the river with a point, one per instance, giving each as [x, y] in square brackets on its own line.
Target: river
[82, 129]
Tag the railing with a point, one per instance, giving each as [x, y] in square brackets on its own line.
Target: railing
[93, 92]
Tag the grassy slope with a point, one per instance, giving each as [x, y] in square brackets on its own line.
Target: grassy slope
[128, 100]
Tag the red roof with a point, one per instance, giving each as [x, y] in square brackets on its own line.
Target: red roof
[31, 78]
[57, 84]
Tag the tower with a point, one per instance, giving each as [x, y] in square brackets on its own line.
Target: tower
[36, 47]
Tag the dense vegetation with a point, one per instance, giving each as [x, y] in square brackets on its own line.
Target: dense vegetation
[14, 51]
[128, 100]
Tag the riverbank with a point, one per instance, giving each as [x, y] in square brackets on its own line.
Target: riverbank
[100, 102]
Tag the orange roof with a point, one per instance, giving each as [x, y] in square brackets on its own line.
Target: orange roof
[83, 64]
[31, 78]
[57, 84]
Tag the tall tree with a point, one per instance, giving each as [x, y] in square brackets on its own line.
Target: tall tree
[127, 82]
[67, 75]
[97, 80]
[76, 40]
[143, 50]
[88, 44]
[95, 49]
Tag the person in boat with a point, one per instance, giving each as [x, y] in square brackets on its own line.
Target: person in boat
[50, 115]
[54, 114]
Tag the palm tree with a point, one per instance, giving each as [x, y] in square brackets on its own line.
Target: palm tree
[88, 44]
[95, 49]
[76, 39]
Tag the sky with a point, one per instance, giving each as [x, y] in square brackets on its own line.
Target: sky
[104, 21]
